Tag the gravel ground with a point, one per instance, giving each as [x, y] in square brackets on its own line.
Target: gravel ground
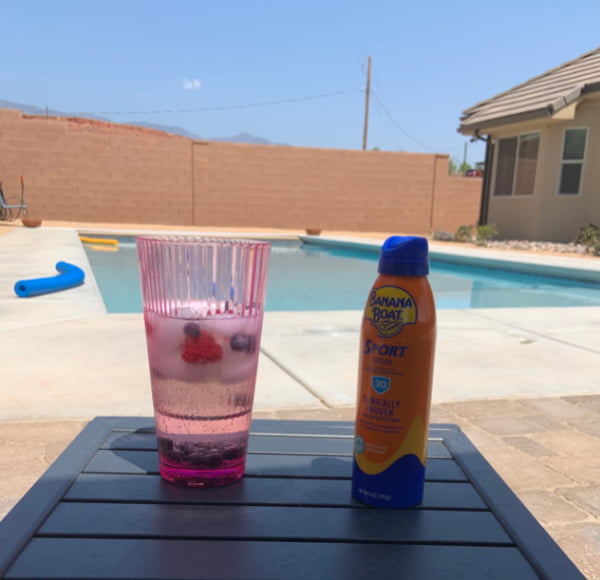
[548, 247]
[520, 245]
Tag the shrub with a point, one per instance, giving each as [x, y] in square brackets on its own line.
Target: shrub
[485, 233]
[589, 236]
[464, 234]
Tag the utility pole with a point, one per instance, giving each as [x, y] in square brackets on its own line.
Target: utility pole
[367, 95]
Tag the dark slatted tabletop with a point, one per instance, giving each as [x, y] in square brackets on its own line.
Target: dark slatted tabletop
[102, 511]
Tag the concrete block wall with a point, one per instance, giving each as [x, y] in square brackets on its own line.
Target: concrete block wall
[95, 171]
[295, 187]
[81, 170]
[456, 203]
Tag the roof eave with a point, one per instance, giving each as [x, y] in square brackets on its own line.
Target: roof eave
[540, 113]
[591, 87]
[483, 126]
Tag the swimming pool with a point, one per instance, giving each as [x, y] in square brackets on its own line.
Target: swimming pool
[320, 277]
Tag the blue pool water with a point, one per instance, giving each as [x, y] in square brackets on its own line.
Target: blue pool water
[316, 277]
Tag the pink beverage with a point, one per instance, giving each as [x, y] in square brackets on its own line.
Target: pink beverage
[203, 358]
[203, 374]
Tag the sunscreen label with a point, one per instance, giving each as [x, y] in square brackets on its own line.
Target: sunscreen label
[389, 308]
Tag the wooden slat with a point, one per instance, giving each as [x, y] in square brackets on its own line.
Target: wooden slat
[338, 428]
[304, 445]
[105, 461]
[323, 446]
[267, 444]
[272, 522]
[101, 559]
[313, 466]
[255, 491]
[273, 426]
[291, 427]
[145, 439]
[257, 465]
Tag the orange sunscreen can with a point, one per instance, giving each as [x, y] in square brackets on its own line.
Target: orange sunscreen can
[397, 346]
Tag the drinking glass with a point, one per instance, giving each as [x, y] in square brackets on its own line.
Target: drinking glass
[203, 310]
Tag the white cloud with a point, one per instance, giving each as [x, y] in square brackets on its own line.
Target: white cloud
[191, 84]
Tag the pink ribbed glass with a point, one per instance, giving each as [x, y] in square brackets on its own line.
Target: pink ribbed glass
[203, 310]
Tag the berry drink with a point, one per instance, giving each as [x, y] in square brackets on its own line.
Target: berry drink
[203, 372]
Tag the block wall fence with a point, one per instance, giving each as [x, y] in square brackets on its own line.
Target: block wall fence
[84, 170]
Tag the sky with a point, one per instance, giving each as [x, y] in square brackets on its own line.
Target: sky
[290, 71]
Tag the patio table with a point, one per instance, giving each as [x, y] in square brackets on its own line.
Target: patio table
[102, 511]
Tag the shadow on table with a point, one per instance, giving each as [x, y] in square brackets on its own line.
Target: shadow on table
[136, 452]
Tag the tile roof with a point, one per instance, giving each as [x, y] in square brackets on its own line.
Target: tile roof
[540, 96]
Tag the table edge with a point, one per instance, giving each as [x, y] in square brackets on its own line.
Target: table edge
[524, 529]
[21, 523]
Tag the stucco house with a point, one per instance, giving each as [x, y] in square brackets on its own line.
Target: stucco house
[542, 178]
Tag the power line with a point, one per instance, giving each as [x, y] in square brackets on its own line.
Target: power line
[407, 134]
[379, 108]
[385, 125]
[402, 129]
[223, 107]
[376, 79]
[379, 101]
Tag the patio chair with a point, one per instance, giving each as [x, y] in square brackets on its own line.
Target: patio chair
[10, 212]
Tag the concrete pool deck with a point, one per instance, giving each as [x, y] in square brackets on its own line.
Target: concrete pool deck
[524, 384]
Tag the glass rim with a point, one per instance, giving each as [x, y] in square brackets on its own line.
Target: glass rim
[188, 239]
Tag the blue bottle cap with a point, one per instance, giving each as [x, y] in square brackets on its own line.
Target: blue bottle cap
[404, 256]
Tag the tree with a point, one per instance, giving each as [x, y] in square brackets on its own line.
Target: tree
[464, 167]
[455, 167]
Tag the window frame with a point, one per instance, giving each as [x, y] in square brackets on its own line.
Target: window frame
[519, 138]
[564, 162]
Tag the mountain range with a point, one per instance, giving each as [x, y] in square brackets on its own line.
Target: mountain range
[34, 110]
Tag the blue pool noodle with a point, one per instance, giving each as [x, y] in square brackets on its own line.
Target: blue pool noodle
[68, 276]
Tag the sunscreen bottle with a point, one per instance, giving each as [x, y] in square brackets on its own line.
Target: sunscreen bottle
[395, 375]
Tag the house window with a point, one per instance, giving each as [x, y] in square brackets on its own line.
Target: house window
[571, 167]
[516, 165]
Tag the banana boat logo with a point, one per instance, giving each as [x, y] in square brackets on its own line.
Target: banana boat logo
[390, 308]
